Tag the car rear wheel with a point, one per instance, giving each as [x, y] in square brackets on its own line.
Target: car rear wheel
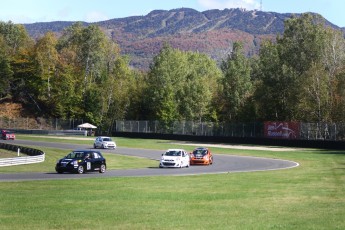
[94, 146]
[59, 171]
[102, 168]
[80, 169]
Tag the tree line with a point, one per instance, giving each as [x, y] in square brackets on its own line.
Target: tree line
[300, 76]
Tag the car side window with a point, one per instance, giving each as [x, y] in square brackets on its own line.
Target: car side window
[96, 155]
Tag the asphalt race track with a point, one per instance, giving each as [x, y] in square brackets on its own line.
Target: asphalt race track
[222, 164]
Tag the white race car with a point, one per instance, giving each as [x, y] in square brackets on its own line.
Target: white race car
[175, 158]
[104, 143]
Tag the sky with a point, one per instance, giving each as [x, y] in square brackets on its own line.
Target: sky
[31, 11]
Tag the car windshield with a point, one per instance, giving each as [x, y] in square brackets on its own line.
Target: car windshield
[202, 152]
[173, 153]
[107, 139]
[75, 155]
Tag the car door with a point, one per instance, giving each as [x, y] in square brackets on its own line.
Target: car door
[98, 142]
[96, 161]
[185, 158]
[88, 164]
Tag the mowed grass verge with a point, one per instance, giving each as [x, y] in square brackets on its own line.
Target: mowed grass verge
[311, 196]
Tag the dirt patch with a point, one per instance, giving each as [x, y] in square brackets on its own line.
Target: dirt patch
[11, 110]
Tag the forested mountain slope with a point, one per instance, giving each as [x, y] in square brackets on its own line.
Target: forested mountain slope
[212, 32]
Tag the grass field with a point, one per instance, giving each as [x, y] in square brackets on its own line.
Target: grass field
[311, 196]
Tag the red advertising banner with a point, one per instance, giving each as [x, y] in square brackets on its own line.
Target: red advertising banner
[282, 130]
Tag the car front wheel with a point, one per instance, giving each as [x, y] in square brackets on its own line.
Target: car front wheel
[80, 169]
[102, 169]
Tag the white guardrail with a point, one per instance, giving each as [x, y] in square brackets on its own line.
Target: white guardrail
[21, 160]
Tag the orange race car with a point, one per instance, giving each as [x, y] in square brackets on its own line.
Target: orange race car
[201, 156]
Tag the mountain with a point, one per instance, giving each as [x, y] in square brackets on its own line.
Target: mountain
[211, 32]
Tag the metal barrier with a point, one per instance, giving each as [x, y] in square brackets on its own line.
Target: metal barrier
[21, 160]
[308, 131]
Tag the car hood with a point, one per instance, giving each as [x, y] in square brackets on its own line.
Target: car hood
[67, 160]
[171, 157]
[109, 142]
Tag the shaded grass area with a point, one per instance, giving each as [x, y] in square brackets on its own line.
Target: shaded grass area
[311, 196]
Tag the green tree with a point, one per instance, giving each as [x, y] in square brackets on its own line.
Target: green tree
[333, 60]
[301, 49]
[6, 72]
[314, 95]
[164, 79]
[15, 48]
[137, 109]
[15, 37]
[236, 83]
[90, 45]
[87, 48]
[295, 80]
[26, 83]
[181, 86]
[339, 99]
[302, 43]
[271, 94]
[120, 88]
[47, 58]
[199, 88]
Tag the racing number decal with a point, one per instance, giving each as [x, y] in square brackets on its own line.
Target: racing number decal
[88, 165]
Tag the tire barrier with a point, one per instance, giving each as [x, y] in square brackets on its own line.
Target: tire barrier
[34, 155]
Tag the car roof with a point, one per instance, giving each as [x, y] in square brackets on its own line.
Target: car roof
[85, 150]
[103, 137]
[201, 148]
[176, 150]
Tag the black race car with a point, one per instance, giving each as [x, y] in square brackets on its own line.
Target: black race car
[80, 161]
